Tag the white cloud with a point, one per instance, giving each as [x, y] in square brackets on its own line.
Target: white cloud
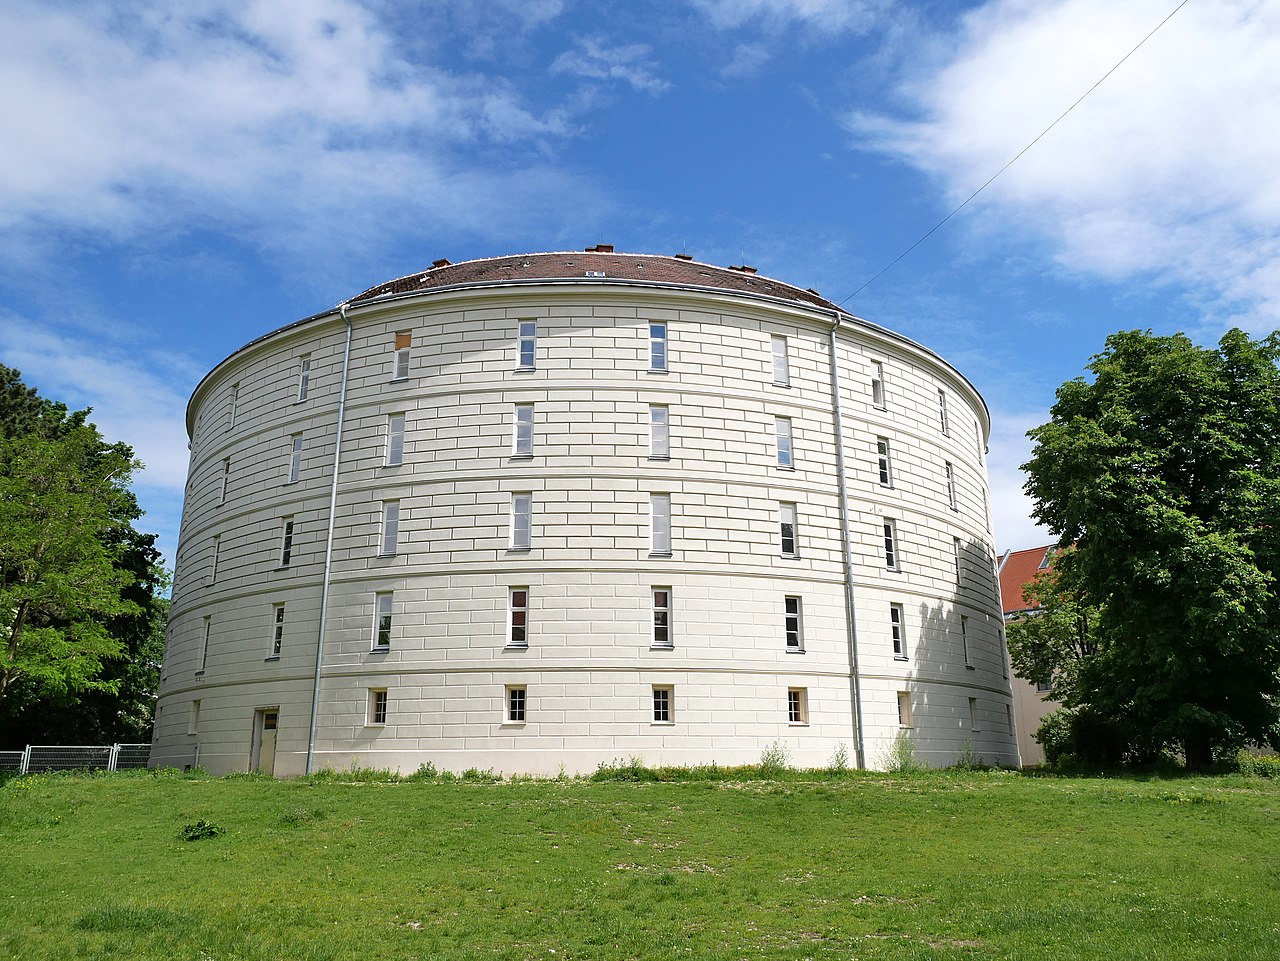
[123, 120]
[597, 60]
[828, 16]
[747, 59]
[1167, 170]
[1009, 448]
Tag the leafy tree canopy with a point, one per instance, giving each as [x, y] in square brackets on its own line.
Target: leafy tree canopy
[1164, 471]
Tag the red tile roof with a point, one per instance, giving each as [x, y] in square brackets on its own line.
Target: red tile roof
[580, 265]
[1016, 569]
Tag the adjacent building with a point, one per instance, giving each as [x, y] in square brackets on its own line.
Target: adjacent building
[1031, 700]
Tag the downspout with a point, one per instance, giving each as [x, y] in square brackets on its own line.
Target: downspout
[328, 545]
[855, 681]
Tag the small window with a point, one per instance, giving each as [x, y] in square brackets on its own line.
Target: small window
[657, 346]
[226, 476]
[1044, 687]
[973, 714]
[782, 430]
[789, 532]
[660, 525]
[959, 556]
[277, 631]
[977, 437]
[217, 550]
[527, 345]
[522, 431]
[382, 621]
[400, 355]
[659, 432]
[662, 617]
[377, 707]
[519, 634]
[904, 709]
[897, 624]
[791, 625]
[204, 643]
[304, 376]
[797, 705]
[286, 541]
[516, 704]
[964, 640]
[233, 402]
[295, 458]
[1004, 653]
[663, 708]
[951, 486]
[884, 461]
[781, 366]
[521, 521]
[390, 528]
[395, 440]
[890, 545]
[1008, 717]
[193, 719]
[877, 384]
[943, 422]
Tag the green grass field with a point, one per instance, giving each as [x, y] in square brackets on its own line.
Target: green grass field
[937, 866]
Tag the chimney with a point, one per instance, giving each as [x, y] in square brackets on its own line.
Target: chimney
[442, 262]
[684, 256]
[600, 249]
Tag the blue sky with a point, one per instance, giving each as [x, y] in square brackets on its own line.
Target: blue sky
[177, 179]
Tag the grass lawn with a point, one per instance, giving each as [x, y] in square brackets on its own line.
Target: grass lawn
[937, 866]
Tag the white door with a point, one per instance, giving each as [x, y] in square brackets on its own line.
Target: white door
[264, 740]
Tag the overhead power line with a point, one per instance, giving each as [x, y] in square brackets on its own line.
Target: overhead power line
[1015, 158]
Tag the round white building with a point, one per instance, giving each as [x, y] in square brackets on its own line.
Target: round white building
[540, 512]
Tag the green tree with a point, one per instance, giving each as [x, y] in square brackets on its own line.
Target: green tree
[1051, 642]
[1164, 471]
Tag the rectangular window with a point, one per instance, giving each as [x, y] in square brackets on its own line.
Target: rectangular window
[521, 521]
[659, 432]
[959, 555]
[789, 531]
[890, 545]
[382, 621]
[657, 346]
[204, 643]
[522, 432]
[235, 399]
[395, 440]
[904, 709]
[1008, 717]
[782, 430]
[977, 438]
[964, 640]
[877, 384]
[791, 624]
[797, 705]
[286, 540]
[973, 714]
[1044, 687]
[898, 625]
[1004, 653]
[884, 461]
[951, 486]
[277, 630]
[304, 376]
[377, 707]
[519, 636]
[295, 458]
[400, 358]
[527, 344]
[781, 366]
[942, 414]
[193, 719]
[662, 617]
[662, 706]
[226, 476]
[516, 702]
[390, 528]
[217, 549]
[660, 524]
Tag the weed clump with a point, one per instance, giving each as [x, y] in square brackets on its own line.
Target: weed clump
[201, 830]
[901, 757]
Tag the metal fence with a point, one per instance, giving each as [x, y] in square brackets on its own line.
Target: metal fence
[93, 757]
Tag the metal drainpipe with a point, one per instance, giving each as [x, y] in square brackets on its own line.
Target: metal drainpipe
[328, 546]
[855, 686]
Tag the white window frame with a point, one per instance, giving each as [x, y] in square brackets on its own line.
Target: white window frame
[526, 345]
[898, 631]
[400, 350]
[304, 377]
[277, 630]
[217, 550]
[788, 528]
[793, 623]
[522, 431]
[950, 470]
[659, 432]
[193, 718]
[973, 715]
[1008, 717]
[226, 477]
[659, 525]
[781, 361]
[383, 619]
[515, 704]
[395, 440]
[389, 541]
[659, 360]
[518, 617]
[206, 632]
[892, 557]
[377, 709]
[798, 706]
[286, 541]
[884, 461]
[958, 548]
[877, 385]
[944, 420]
[235, 400]
[521, 521]
[664, 704]
[784, 443]
[662, 620]
[905, 720]
[964, 641]
[295, 458]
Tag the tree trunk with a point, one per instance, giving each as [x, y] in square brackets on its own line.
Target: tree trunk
[1198, 752]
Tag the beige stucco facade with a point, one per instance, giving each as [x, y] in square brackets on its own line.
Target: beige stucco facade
[770, 642]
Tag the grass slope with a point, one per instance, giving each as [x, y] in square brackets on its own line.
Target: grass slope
[938, 866]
